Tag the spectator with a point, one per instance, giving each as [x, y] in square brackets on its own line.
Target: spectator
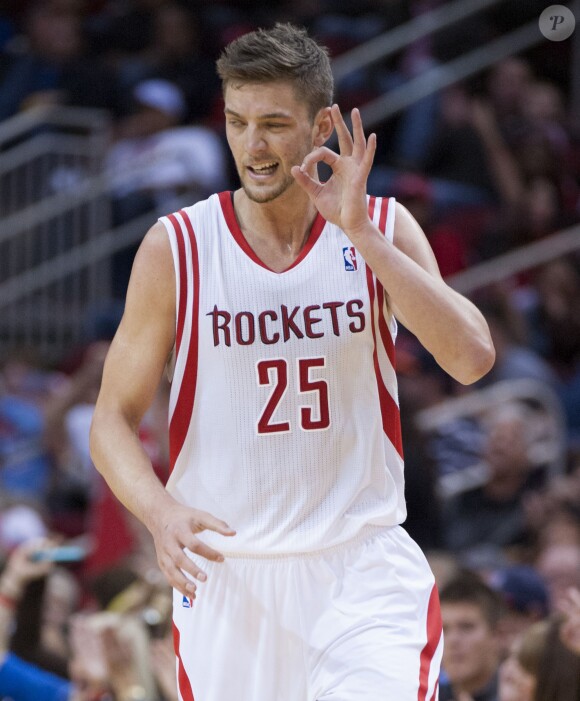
[151, 154]
[176, 53]
[553, 514]
[56, 69]
[111, 654]
[456, 444]
[559, 565]
[154, 161]
[493, 513]
[526, 601]
[25, 470]
[507, 86]
[544, 663]
[471, 612]
[18, 679]
[514, 359]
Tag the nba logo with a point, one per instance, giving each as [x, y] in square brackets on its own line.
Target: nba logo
[187, 603]
[349, 256]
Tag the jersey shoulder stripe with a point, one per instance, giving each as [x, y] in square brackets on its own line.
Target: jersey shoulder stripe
[382, 213]
[187, 332]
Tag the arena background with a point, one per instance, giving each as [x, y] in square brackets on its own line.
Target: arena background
[111, 115]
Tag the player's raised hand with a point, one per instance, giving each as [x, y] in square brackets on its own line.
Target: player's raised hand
[342, 199]
[177, 531]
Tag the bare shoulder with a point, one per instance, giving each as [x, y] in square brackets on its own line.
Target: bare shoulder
[410, 238]
[154, 256]
[149, 318]
[152, 282]
[146, 334]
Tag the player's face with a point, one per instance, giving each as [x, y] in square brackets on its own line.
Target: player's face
[471, 647]
[269, 130]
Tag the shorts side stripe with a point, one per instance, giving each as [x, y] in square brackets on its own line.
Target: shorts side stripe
[183, 682]
[434, 628]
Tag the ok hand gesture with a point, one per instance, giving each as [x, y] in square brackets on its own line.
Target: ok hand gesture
[342, 199]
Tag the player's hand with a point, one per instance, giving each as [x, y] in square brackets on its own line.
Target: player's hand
[177, 530]
[341, 200]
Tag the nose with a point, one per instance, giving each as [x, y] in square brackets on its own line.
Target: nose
[452, 637]
[255, 142]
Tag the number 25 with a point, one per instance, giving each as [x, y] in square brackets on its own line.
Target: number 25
[274, 372]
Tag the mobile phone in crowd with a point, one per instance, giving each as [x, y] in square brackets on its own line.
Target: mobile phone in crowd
[60, 553]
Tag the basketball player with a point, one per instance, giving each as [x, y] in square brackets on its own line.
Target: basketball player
[274, 307]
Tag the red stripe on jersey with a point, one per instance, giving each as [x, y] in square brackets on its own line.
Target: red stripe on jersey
[182, 413]
[434, 630]
[389, 405]
[394, 415]
[383, 214]
[232, 222]
[384, 327]
[182, 678]
[182, 282]
[389, 409]
[372, 202]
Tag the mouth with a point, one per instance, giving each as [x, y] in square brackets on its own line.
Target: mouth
[263, 170]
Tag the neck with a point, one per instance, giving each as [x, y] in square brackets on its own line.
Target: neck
[276, 231]
[475, 685]
[283, 223]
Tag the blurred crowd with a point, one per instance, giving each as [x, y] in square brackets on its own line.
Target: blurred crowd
[492, 471]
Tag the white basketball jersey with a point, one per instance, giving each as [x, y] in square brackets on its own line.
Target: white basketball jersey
[284, 419]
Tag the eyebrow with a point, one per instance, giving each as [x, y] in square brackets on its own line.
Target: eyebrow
[270, 115]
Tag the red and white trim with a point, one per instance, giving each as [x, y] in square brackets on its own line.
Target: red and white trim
[382, 213]
[429, 672]
[227, 206]
[186, 261]
[184, 689]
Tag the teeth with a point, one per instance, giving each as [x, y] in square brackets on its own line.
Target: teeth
[264, 166]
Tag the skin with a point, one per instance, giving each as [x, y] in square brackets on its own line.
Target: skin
[570, 630]
[266, 124]
[470, 656]
[515, 684]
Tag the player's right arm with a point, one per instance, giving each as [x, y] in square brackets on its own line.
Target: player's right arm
[133, 369]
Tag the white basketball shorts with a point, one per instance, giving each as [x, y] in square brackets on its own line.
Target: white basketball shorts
[357, 622]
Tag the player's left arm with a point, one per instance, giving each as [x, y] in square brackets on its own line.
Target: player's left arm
[448, 325]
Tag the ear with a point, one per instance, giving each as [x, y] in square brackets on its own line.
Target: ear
[323, 126]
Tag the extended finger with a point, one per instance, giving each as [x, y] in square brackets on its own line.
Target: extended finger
[359, 140]
[179, 581]
[369, 155]
[198, 547]
[345, 143]
[186, 564]
[211, 523]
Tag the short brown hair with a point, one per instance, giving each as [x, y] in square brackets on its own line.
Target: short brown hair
[285, 52]
[468, 588]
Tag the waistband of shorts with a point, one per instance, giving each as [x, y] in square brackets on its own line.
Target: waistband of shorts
[365, 534]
